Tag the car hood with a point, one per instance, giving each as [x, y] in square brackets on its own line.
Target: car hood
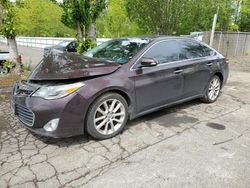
[60, 65]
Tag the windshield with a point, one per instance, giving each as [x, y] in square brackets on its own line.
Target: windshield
[63, 44]
[118, 50]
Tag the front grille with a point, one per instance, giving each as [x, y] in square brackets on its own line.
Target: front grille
[24, 92]
[25, 115]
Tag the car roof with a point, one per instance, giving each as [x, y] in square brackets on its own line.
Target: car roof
[156, 37]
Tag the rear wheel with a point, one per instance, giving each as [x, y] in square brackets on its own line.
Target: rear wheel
[107, 116]
[213, 90]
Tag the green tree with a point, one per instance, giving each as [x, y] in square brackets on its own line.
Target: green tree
[96, 8]
[245, 16]
[75, 16]
[200, 17]
[81, 16]
[179, 16]
[1, 14]
[156, 17]
[54, 1]
[7, 28]
[114, 22]
[40, 18]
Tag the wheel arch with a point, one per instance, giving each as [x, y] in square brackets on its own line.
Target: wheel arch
[119, 91]
[124, 94]
[220, 75]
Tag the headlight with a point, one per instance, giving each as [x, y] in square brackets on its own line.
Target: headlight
[55, 92]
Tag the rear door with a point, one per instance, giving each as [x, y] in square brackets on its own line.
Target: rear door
[198, 64]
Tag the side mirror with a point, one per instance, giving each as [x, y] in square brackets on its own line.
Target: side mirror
[71, 49]
[148, 62]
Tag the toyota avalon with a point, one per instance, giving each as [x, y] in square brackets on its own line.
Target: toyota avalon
[99, 91]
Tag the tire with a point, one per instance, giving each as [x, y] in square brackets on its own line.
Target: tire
[213, 90]
[4, 70]
[107, 116]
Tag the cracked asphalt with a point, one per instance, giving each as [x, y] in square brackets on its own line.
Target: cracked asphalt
[189, 145]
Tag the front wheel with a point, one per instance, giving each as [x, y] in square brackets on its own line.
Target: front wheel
[213, 90]
[107, 116]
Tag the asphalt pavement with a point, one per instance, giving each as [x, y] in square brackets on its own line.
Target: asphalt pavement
[189, 145]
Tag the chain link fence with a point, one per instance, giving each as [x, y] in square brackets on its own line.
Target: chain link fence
[230, 44]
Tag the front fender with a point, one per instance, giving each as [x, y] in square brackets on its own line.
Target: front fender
[94, 88]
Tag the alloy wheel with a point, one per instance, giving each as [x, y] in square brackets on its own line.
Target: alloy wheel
[109, 116]
[214, 88]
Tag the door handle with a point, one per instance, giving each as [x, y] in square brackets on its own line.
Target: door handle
[209, 64]
[178, 71]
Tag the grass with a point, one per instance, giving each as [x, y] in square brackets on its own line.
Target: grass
[26, 67]
[9, 79]
[3, 96]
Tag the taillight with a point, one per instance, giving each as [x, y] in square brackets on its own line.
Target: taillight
[226, 60]
[19, 59]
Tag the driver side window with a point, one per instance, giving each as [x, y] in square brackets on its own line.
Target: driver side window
[164, 52]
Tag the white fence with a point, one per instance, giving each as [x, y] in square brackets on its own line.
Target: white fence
[42, 42]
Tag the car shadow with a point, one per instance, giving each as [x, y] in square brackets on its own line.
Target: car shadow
[64, 142]
[164, 117]
[167, 116]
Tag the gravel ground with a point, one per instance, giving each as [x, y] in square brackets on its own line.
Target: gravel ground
[189, 145]
[240, 64]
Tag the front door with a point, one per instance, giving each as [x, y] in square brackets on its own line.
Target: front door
[162, 84]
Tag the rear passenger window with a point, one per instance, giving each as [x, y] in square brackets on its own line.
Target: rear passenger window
[193, 49]
[207, 51]
[164, 52]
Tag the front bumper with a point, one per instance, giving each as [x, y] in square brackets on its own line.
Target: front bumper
[35, 112]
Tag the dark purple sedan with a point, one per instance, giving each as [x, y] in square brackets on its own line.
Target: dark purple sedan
[97, 92]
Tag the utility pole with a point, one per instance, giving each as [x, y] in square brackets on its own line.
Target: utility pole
[213, 28]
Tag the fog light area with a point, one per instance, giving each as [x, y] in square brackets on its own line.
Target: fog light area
[51, 125]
